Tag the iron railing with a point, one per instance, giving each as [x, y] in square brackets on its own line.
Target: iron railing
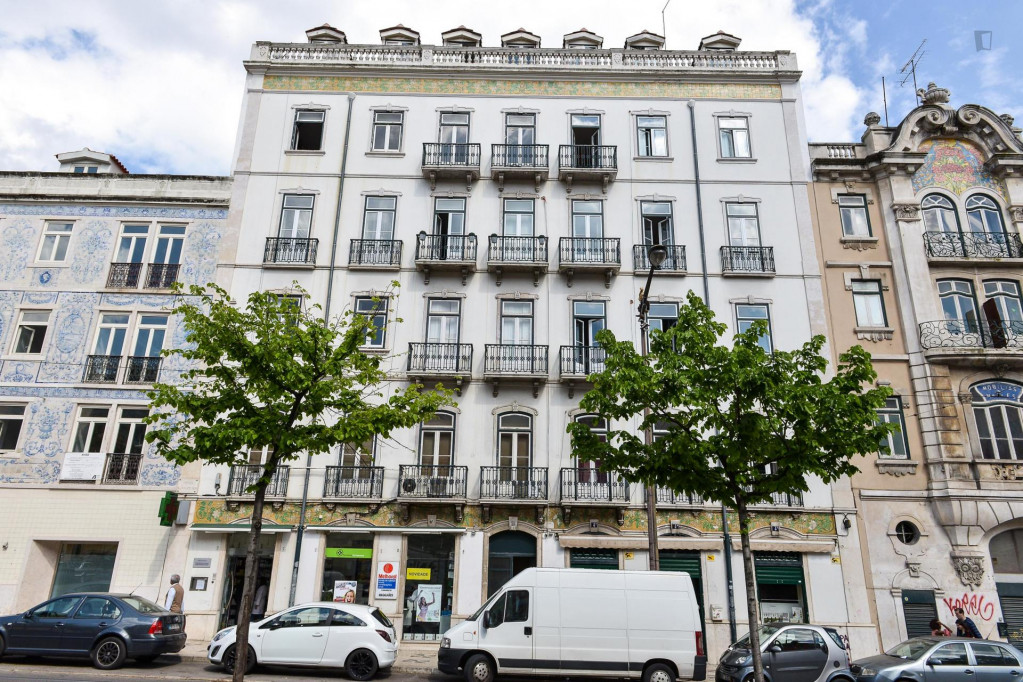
[785, 500]
[515, 359]
[101, 369]
[142, 370]
[244, 476]
[451, 154]
[441, 247]
[513, 483]
[375, 252]
[288, 250]
[518, 155]
[353, 482]
[162, 275]
[675, 260]
[455, 358]
[597, 157]
[585, 483]
[747, 258]
[973, 245]
[124, 275]
[582, 360]
[666, 496]
[971, 333]
[122, 468]
[517, 249]
[432, 481]
[590, 250]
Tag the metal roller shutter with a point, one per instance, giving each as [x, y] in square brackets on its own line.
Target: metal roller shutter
[778, 568]
[606, 559]
[1011, 597]
[919, 609]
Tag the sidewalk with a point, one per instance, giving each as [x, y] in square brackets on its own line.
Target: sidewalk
[412, 657]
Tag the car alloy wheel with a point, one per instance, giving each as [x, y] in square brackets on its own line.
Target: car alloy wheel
[109, 654]
[361, 665]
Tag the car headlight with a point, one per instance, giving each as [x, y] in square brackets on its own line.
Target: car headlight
[867, 671]
[742, 661]
[222, 634]
[445, 643]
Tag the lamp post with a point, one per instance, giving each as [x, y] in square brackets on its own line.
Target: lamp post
[656, 255]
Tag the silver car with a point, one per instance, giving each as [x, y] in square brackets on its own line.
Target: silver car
[936, 659]
[792, 652]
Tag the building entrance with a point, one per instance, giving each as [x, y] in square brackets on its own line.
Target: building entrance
[234, 575]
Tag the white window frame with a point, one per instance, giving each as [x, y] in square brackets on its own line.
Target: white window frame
[90, 424]
[739, 319]
[310, 114]
[298, 210]
[639, 136]
[718, 118]
[377, 307]
[55, 238]
[23, 323]
[12, 412]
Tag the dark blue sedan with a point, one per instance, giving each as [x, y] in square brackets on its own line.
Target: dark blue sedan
[108, 628]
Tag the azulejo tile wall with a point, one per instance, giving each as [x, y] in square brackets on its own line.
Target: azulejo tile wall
[955, 165]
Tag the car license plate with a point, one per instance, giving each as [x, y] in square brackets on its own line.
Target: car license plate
[173, 627]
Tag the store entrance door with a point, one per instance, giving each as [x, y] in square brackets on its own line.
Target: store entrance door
[235, 583]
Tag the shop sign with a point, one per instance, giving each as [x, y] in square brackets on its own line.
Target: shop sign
[387, 580]
[82, 466]
[417, 574]
[348, 553]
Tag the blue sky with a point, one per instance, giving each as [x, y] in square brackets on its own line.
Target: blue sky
[159, 83]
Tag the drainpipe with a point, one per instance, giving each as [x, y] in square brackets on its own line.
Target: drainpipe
[326, 317]
[726, 540]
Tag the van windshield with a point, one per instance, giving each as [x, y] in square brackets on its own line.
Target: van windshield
[483, 608]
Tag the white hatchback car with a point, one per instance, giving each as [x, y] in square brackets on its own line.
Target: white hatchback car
[355, 637]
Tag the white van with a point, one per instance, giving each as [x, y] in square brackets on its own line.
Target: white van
[582, 622]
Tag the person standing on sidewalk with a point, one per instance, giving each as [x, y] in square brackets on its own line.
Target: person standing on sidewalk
[175, 595]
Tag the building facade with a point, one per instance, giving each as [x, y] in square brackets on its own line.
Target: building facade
[89, 255]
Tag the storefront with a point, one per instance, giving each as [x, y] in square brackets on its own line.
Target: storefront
[781, 586]
[84, 567]
[347, 567]
[429, 586]
[510, 553]
[234, 578]
[585, 557]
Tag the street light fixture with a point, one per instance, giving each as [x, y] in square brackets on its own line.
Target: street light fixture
[656, 254]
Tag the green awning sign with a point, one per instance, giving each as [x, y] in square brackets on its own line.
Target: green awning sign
[348, 553]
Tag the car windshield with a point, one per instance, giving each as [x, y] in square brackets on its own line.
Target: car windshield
[483, 608]
[764, 631]
[142, 605]
[912, 649]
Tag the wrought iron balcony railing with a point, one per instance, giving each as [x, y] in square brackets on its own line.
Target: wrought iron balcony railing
[122, 468]
[353, 482]
[971, 333]
[582, 360]
[451, 154]
[383, 252]
[595, 157]
[747, 259]
[124, 275]
[517, 249]
[513, 483]
[244, 476]
[515, 359]
[674, 261]
[591, 484]
[785, 500]
[442, 481]
[973, 245]
[287, 250]
[142, 370]
[445, 247]
[452, 358]
[666, 496]
[518, 155]
[590, 251]
[162, 275]
[101, 369]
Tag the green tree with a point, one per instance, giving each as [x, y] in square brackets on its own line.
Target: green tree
[275, 375]
[740, 424]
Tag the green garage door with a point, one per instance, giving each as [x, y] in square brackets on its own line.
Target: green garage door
[686, 561]
[606, 559]
[919, 608]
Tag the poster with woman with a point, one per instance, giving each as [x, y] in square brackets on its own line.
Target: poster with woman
[426, 603]
[346, 590]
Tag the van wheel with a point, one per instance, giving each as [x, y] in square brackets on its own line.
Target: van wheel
[479, 668]
[659, 672]
[109, 654]
[361, 665]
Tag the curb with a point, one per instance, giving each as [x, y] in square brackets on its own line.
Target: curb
[398, 668]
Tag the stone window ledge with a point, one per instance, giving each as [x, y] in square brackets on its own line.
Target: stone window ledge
[896, 467]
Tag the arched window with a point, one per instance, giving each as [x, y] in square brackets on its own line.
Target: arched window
[998, 411]
[437, 444]
[983, 215]
[939, 214]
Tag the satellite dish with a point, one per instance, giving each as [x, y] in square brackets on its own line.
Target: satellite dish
[408, 485]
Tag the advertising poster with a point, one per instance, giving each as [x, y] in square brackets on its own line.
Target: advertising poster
[345, 590]
[387, 580]
[426, 603]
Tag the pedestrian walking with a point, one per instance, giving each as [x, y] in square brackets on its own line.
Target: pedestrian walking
[939, 629]
[965, 627]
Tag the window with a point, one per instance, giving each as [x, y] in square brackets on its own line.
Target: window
[895, 445]
[98, 607]
[797, 639]
[436, 444]
[743, 224]
[588, 470]
[87, 169]
[587, 232]
[939, 214]
[514, 444]
[993, 655]
[517, 610]
[1003, 311]
[345, 619]
[449, 217]
[132, 247]
[853, 210]
[653, 135]
[113, 328]
[310, 617]
[170, 241]
[520, 136]
[746, 315]
[130, 435]
[387, 127]
[983, 215]
[907, 533]
[378, 220]
[733, 134]
[32, 325]
[868, 303]
[58, 608]
[998, 412]
[662, 316]
[656, 218]
[144, 363]
[518, 218]
[959, 306]
[517, 323]
[442, 320]
[308, 132]
[357, 455]
[950, 654]
[90, 428]
[375, 311]
[454, 138]
[12, 417]
[56, 237]
[296, 216]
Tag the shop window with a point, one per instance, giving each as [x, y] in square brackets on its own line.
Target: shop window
[780, 587]
[429, 583]
[347, 568]
[84, 567]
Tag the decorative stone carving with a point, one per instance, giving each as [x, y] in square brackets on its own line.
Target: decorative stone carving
[859, 244]
[874, 334]
[1001, 472]
[906, 211]
[1017, 213]
[896, 467]
[970, 569]
[933, 94]
[1008, 118]
[872, 119]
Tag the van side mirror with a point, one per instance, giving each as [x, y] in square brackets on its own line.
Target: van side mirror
[486, 619]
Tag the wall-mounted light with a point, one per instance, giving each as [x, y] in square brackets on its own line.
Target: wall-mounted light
[846, 523]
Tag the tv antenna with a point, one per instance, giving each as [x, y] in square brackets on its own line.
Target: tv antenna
[909, 68]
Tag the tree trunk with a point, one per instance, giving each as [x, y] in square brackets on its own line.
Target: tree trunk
[751, 592]
[241, 638]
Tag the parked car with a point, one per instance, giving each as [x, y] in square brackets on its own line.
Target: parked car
[930, 659]
[108, 628]
[355, 637]
[791, 652]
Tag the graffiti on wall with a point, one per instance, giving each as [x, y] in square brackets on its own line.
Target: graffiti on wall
[974, 605]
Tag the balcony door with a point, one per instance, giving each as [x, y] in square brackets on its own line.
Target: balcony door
[588, 318]
[983, 215]
[170, 241]
[1003, 312]
[378, 221]
[436, 445]
[454, 139]
[743, 225]
[591, 481]
[132, 246]
[514, 453]
[518, 218]
[657, 228]
[449, 228]
[296, 216]
[443, 321]
[149, 337]
[520, 136]
[587, 231]
[585, 140]
[516, 330]
[959, 306]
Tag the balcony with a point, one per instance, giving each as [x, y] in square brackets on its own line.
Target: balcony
[162, 275]
[445, 360]
[433, 484]
[519, 161]
[122, 468]
[589, 487]
[671, 498]
[756, 261]
[589, 254]
[124, 275]
[674, 263]
[445, 253]
[101, 369]
[990, 247]
[513, 486]
[971, 342]
[244, 476]
[353, 483]
[290, 252]
[142, 370]
[587, 163]
[784, 500]
[577, 363]
[517, 254]
[449, 160]
[508, 362]
[375, 254]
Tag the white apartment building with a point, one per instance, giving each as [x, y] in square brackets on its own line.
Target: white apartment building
[512, 192]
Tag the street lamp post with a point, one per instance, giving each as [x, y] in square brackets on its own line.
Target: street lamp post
[656, 255]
